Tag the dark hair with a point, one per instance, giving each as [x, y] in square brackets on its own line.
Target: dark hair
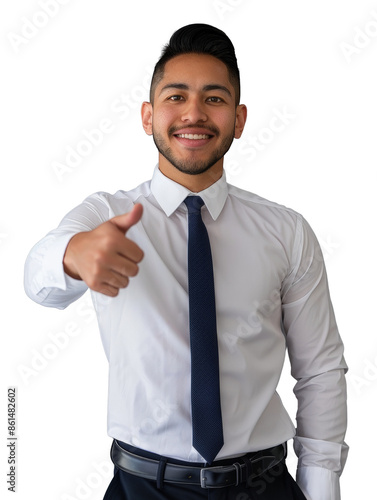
[199, 39]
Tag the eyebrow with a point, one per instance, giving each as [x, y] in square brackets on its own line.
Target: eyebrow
[206, 88]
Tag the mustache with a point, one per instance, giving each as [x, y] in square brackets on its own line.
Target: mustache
[172, 130]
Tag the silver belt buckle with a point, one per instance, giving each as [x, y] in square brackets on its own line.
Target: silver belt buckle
[203, 478]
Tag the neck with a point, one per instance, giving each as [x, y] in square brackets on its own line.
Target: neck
[194, 183]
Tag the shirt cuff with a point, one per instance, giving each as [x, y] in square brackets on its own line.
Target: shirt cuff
[318, 484]
[320, 464]
[320, 454]
[44, 272]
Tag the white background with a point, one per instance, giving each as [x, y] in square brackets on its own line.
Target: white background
[315, 61]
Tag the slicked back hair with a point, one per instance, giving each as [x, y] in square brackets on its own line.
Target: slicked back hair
[199, 39]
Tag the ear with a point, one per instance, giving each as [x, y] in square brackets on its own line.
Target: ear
[146, 117]
[241, 115]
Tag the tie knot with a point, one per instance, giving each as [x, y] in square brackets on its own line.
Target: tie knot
[194, 204]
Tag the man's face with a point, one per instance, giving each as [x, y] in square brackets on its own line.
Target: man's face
[194, 118]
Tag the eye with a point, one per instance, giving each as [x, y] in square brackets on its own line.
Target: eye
[215, 99]
[175, 98]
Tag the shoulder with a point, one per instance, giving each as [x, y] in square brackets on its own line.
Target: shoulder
[263, 207]
[120, 201]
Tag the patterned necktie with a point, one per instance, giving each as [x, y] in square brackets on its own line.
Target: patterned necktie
[205, 383]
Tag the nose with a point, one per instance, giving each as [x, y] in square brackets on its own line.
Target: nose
[194, 111]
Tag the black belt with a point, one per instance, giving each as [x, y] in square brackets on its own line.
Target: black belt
[249, 467]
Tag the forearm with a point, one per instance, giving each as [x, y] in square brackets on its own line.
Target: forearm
[45, 280]
[321, 427]
[322, 412]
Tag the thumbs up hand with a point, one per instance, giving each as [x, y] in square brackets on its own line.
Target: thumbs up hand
[105, 258]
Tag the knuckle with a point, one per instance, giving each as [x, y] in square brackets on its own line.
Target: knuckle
[107, 242]
[98, 256]
[93, 284]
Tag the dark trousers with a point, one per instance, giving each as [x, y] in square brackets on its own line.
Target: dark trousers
[275, 484]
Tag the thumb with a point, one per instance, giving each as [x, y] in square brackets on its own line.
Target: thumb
[125, 221]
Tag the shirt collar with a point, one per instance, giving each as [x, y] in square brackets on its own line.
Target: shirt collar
[169, 194]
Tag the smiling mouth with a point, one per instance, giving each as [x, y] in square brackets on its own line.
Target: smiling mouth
[193, 141]
[193, 136]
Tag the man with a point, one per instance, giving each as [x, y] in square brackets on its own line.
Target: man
[197, 316]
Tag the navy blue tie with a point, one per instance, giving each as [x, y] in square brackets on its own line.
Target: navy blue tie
[205, 383]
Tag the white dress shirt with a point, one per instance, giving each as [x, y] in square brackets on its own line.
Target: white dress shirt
[271, 294]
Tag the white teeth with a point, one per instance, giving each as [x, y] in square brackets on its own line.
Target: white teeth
[193, 136]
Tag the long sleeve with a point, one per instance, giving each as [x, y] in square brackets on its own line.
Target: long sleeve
[45, 281]
[316, 354]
